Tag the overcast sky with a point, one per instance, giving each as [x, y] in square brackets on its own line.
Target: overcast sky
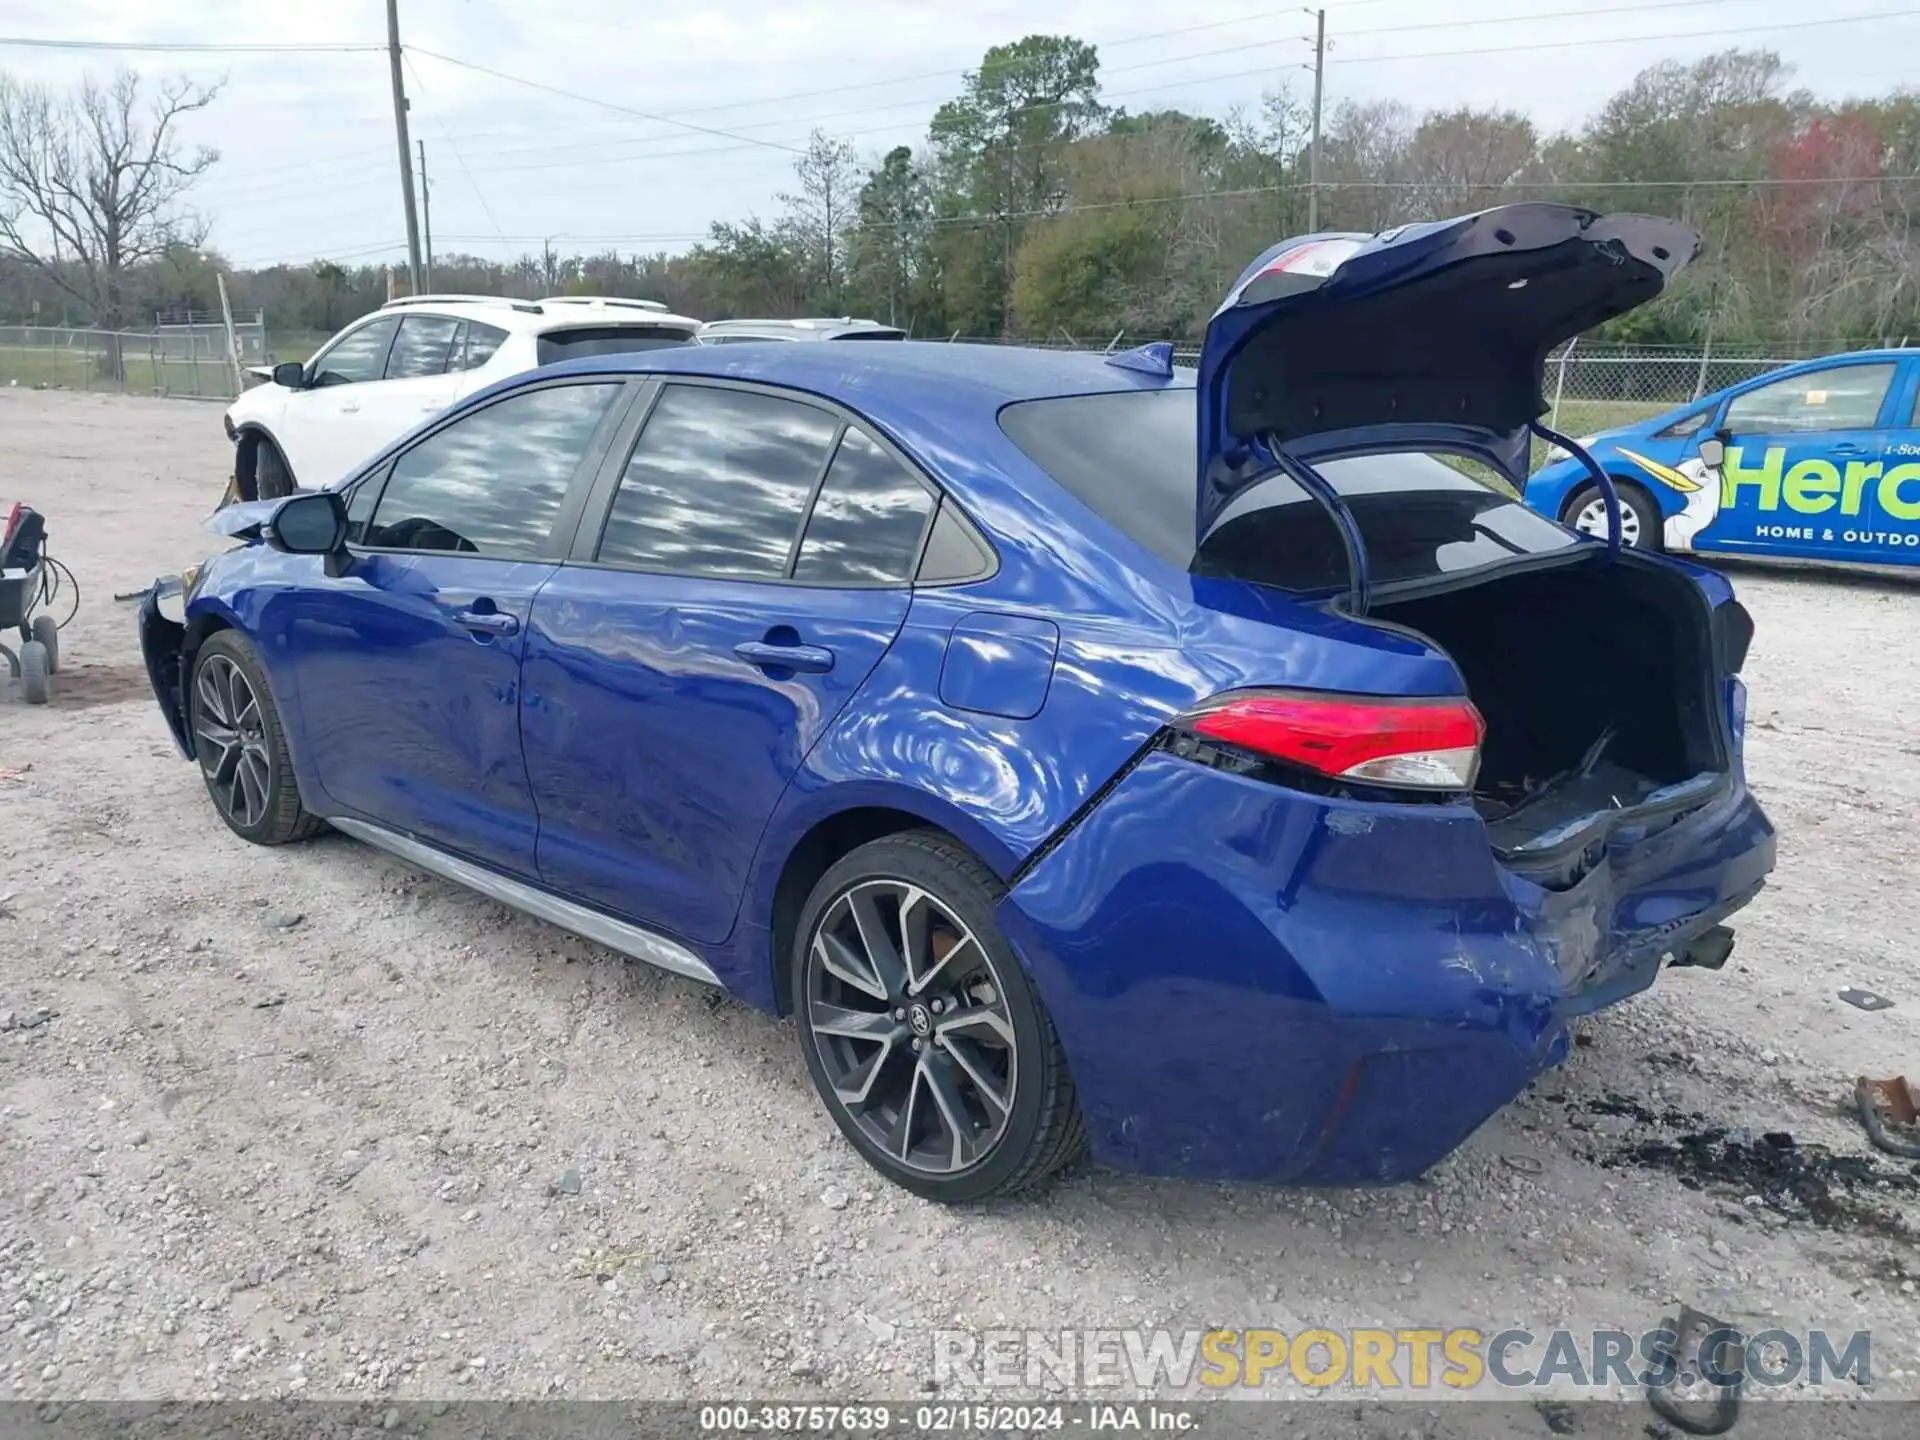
[308, 163]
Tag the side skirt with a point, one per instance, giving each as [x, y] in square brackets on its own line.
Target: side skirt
[604, 929]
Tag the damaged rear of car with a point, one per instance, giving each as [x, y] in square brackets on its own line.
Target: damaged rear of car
[1533, 801]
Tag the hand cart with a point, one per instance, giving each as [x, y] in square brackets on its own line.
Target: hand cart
[29, 579]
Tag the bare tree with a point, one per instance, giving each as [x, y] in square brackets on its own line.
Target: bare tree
[822, 214]
[93, 183]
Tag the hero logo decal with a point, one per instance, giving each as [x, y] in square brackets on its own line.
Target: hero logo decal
[1691, 479]
[1665, 474]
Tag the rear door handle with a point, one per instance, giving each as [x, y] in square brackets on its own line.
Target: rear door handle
[1847, 447]
[813, 659]
[487, 622]
[349, 409]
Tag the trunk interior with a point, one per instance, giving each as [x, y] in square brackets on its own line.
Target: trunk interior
[1596, 683]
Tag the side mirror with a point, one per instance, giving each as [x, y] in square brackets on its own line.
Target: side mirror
[1712, 451]
[313, 524]
[290, 373]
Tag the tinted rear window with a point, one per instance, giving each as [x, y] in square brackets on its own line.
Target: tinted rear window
[1129, 456]
[558, 345]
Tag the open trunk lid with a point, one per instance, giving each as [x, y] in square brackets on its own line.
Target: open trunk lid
[1424, 337]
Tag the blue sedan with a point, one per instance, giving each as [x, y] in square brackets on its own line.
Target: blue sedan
[1087, 753]
[1816, 461]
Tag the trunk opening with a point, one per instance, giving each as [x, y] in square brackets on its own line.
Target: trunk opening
[1596, 683]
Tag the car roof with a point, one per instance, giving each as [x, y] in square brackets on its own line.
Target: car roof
[535, 317]
[924, 375]
[811, 328]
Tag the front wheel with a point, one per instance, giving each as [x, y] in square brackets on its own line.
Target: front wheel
[47, 631]
[1640, 519]
[242, 746]
[923, 1035]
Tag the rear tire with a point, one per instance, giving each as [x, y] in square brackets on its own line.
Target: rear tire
[927, 1043]
[1641, 523]
[272, 479]
[242, 745]
[47, 633]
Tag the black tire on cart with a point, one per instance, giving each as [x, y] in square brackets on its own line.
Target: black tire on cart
[47, 633]
[36, 674]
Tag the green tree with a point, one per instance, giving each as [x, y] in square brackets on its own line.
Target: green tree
[1000, 146]
[887, 254]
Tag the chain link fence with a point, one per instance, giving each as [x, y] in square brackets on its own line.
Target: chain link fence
[183, 356]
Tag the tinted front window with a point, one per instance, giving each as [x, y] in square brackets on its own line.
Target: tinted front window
[1847, 397]
[422, 346]
[1130, 456]
[493, 482]
[558, 345]
[358, 357]
[866, 524]
[1687, 425]
[717, 484]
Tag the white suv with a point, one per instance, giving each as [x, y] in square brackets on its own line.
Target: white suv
[388, 371]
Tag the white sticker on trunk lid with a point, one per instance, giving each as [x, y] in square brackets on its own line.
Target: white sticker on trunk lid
[1321, 257]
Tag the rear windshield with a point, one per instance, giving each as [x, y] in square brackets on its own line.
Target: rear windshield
[557, 345]
[1130, 457]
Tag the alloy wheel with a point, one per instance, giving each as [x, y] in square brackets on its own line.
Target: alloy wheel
[230, 736]
[1592, 520]
[909, 1019]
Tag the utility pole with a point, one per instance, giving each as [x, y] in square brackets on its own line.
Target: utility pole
[406, 150]
[1313, 155]
[426, 222]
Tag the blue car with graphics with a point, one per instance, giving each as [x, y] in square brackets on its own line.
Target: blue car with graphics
[1816, 461]
[1085, 752]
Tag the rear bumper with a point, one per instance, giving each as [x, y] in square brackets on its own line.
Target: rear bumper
[161, 639]
[1253, 983]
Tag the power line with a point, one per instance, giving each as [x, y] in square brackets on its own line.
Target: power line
[594, 148]
[742, 142]
[181, 47]
[1106, 70]
[459, 159]
[968, 70]
[593, 100]
[1626, 39]
[1251, 191]
[1248, 192]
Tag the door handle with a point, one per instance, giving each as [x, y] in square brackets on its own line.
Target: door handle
[813, 659]
[349, 409]
[487, 622]
[1846, 447]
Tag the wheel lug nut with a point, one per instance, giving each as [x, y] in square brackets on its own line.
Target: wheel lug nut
[900, 1013]
[918, 1044]
[937, 1006]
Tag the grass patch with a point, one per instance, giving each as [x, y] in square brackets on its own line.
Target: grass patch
[75, 368]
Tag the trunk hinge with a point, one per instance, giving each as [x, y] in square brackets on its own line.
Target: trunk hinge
[1359, 584]
[1609, 496]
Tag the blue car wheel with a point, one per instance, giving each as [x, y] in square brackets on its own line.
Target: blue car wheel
[921, 1032]
[241, 744]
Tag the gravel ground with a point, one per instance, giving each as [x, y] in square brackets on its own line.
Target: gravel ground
[306, 1122]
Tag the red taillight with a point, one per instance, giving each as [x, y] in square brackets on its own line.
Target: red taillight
[1424, 744]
